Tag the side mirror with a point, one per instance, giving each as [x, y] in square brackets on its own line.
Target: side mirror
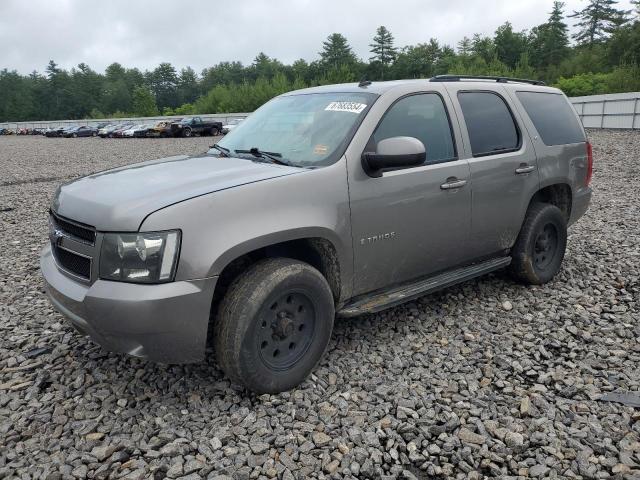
[393, 154]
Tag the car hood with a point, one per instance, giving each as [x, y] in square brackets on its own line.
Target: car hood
[120, 199]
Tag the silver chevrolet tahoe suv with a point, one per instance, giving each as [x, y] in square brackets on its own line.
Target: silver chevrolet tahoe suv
[341, 199]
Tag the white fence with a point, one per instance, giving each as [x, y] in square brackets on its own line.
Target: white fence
[614, 110]
[221, 117]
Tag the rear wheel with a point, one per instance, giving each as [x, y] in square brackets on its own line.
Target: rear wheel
[215, 132]
[75, 135]
[187, 132]
[274, 324]
[539, 250]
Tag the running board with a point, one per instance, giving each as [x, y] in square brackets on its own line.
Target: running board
[396, 296]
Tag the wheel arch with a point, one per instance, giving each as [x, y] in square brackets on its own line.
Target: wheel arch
[558, 194]
[314, 247]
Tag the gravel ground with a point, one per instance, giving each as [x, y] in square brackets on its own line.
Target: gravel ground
[487, 379]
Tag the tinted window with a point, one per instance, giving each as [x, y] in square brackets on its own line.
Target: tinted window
[489, 123]
[423, 117]
[553, 117]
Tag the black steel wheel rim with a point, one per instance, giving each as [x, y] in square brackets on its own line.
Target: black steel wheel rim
[285, 330]
[545, 246]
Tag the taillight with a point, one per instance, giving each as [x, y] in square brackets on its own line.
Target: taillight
[589, 164]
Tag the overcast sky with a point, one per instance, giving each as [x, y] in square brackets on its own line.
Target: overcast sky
[201, 33]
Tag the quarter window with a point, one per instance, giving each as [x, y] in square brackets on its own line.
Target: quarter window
[490, 124]
[422, 116]
[553, 117]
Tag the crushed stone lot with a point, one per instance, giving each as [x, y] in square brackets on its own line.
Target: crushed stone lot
[486, 379]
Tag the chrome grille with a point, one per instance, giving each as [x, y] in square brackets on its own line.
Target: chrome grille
[77, 231]
[72, 246]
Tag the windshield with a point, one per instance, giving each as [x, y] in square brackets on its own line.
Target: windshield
[306, 129]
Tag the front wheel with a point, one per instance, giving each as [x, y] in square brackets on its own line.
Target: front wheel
[274, 325]
[540, 247]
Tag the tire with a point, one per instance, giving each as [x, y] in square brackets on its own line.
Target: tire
[274, 325]
[539, 250]
[93, 134]
[215, 132]
[75, 135]
[187, 132]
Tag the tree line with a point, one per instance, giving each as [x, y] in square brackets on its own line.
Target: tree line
[603, 56]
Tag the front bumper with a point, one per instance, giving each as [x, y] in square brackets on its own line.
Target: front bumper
[164, 323]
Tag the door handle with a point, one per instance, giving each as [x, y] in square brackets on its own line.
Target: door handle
[452, 184]
[525, 169]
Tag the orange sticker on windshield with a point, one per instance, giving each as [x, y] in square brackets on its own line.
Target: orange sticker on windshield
[320, 149]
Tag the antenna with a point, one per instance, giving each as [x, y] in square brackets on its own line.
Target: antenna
[364, 83]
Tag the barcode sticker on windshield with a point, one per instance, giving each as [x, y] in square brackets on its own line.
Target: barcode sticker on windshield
[352, 107]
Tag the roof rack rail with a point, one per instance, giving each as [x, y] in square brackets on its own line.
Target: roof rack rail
[457, 78]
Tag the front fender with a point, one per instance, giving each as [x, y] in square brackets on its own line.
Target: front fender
[219, 227]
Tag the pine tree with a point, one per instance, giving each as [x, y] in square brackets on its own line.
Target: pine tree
[336, 52]
[144, 105]
[383, 49]
[597, 20]
[464, 46]
[510, 45]
[550, 41]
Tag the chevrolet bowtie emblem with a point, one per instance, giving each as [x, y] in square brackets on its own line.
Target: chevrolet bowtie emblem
[56, 236]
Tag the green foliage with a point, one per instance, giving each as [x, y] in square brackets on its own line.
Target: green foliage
[510, 45]
[597, 20]
[622, 79]
[95, 113]
[583, 84]
[383, 49]
[604, 61]
[336, 52]
[144, 105]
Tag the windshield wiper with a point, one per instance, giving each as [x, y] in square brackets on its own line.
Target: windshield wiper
[224, 151]
[274, 157]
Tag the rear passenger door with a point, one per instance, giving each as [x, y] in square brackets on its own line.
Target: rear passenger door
[503, 166]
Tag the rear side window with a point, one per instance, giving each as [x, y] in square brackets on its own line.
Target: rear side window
[422, 116]
[490, 124]
[553, 117]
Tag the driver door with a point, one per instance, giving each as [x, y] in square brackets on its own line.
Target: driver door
[413, 222]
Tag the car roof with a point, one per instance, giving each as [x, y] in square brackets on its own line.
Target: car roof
[381, 88]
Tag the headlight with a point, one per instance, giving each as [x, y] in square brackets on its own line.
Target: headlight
[149, 257]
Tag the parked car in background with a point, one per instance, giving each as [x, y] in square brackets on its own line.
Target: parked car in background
[82, 131]
[231, 124]
[55, 131]
[141, 131]
[161, 129]
[138, 131]
[109, 130]
[188, 127]
[128, 133]
[119, 131]
[104, 131]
